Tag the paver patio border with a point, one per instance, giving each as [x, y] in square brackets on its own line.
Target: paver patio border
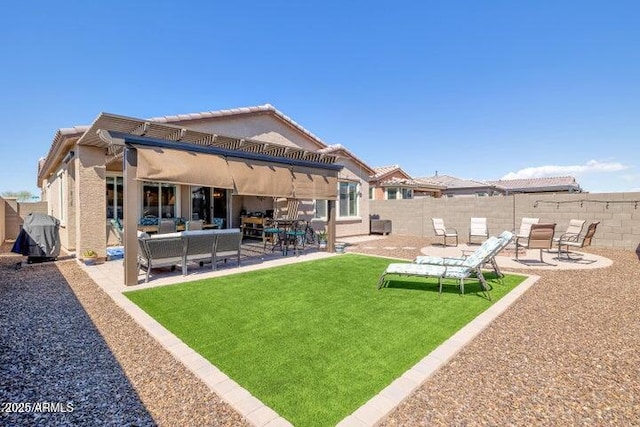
[372, 413]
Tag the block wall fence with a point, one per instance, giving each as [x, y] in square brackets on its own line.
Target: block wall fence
[618, 213]
[12, 215]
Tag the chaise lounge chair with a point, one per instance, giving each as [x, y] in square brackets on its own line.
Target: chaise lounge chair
[470, 266]
[505, 238]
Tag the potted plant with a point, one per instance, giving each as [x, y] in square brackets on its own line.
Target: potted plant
[322, 239]
[89, 257]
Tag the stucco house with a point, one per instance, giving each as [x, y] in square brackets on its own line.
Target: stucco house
[392, 182]
[210, 165]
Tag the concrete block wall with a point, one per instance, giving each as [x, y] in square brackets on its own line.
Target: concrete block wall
[619, 218]
[12, 215]
[3, 231]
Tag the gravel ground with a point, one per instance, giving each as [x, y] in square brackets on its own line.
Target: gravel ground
[64, 340]
[566, 353]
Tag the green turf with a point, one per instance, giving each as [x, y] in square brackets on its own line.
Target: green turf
[315, 340]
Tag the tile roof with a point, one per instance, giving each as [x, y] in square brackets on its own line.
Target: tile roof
[408, 182]
[454, 182]
[384, 170]
[549, 183]
[63, 135]
[340, 149]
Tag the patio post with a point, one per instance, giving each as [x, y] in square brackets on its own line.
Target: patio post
[331, 225]
[131, 203]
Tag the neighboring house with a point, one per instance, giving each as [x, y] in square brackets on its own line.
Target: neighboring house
[391, 183]
[455, 186]
[555, 184]
[210, 166]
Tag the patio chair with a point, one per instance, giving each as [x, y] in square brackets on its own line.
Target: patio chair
[575, 241]
[540, 237]
[525, 227]
[575, 228]
[444, 232]
[504, 239]
[478, 228]
[470, 266]
[193, 225]
[166, 226]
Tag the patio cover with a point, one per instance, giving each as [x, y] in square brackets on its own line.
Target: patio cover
[245, 176]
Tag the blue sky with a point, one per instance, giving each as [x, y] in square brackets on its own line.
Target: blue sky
[475, 89]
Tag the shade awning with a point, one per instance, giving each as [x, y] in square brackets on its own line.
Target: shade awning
[245, 176]
[308, 183]
[257, 178]
[183, 167]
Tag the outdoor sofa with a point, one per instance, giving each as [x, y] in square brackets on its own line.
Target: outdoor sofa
[171, 249]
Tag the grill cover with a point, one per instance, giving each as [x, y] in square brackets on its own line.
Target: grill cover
[39, 237]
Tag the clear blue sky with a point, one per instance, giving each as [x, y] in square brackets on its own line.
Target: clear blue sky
[475, 89]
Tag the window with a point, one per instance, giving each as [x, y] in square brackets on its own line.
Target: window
[115, 197]
[407, 193]
[320, 209]
[348, 199]
[392, 193]
[159, 200]
[371, 194]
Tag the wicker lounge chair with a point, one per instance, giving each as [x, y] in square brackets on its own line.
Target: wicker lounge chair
[575, 241]
[540, 237]
[470, 266]
[441, 231]
[478, 228]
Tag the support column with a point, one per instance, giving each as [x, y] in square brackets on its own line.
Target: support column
[90, 189]
[331, 226]
[130, 209]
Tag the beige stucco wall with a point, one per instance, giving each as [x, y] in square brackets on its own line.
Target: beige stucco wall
[619, 222]
[359, 225]
[263, 127]
[91, 200]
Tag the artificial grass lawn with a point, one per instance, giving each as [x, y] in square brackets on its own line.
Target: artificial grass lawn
[315, 340]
